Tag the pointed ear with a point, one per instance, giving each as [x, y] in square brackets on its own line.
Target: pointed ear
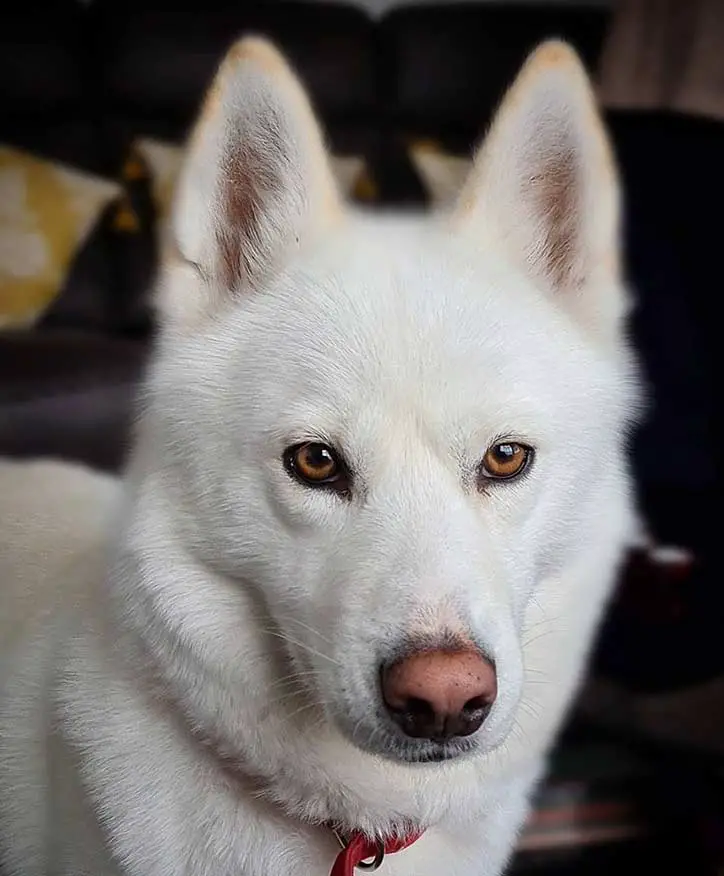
[256, 182]
[544, 190]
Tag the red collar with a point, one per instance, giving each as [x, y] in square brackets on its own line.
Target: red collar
[367, 854]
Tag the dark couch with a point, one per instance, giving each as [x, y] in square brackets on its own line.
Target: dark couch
[79, 82]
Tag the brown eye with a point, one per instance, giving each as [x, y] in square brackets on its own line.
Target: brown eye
[505, 460]
[316, 464]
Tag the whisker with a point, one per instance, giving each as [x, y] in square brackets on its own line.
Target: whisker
[304, 647]
[285, 698]
[537, 625]
[319, 723]
[295, 620]
[528, 708]
[529, 642]
[356, 728]
[523, 735]
[293, 676]
[314, 705]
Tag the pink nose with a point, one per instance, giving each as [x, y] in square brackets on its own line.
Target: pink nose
[440, 694]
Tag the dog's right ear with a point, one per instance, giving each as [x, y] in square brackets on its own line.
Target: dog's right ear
[256, 183]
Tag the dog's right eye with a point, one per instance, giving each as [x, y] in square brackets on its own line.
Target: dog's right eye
[317, 465]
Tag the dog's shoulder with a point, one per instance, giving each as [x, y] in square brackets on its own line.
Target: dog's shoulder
[54, 523]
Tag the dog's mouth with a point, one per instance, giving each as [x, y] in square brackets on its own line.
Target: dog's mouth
[429, 751]
[383, 738]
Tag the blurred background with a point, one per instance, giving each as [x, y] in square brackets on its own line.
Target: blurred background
[95, 101]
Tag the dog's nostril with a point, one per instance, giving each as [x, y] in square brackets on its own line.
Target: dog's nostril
[471, 716]
[439, 694]
[418, 707]
[475, 704]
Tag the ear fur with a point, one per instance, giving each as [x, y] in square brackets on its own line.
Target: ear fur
[256, 182]
[543, 189]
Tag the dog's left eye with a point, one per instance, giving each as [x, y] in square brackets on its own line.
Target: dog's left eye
[505, 460]
[316, 465]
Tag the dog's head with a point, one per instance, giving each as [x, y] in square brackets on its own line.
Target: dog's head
[385, 432]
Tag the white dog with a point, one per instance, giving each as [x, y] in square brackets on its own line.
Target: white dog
[378, 497]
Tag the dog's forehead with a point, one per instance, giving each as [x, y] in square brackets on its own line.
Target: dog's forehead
[421, 310]
[418, 329]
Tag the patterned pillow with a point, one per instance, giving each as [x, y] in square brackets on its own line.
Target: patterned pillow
[442, 174]
[46, 212]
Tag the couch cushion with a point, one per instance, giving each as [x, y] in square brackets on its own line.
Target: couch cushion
[68, 395]
[45, 83]
[156, 62]
[448, 66]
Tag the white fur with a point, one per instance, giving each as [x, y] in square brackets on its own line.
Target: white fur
[190, 679]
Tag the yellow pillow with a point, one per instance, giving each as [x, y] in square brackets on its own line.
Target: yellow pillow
[442, 174]
[46, 212]
[163, 161]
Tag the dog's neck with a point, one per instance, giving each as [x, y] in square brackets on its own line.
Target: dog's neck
[167, 660]
[356, 849]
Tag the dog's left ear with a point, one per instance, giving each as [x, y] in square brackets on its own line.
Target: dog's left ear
[544, 191]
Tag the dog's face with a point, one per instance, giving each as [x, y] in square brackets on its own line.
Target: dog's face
[388, 431]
